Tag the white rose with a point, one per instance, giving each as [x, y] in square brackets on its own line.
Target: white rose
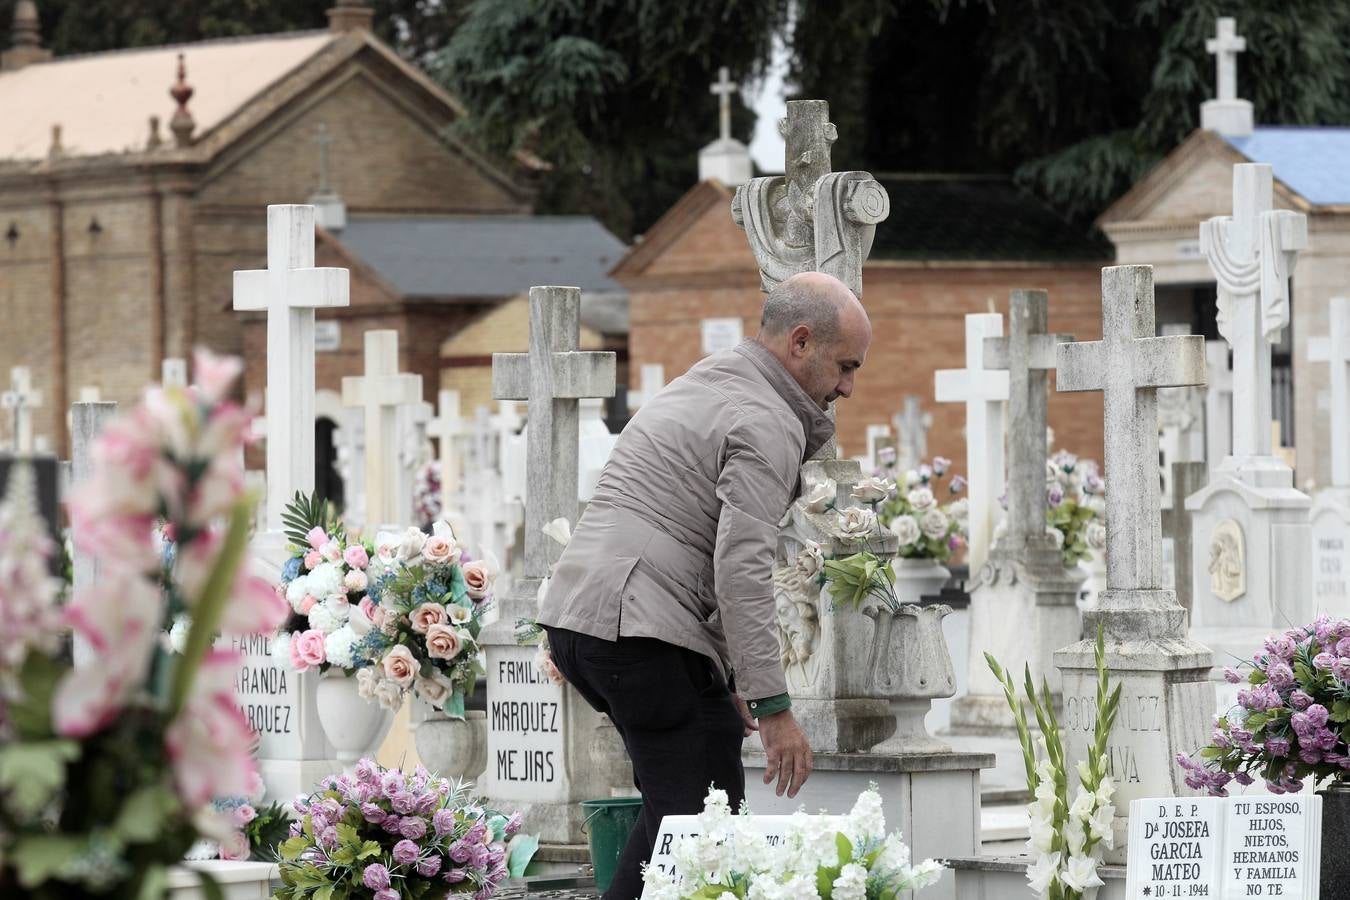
[281, 645]
[912, 477]
[331, 551]
[410, 544]
[810, 560]
[322, 618]
[1055, 535]
[934, 524]
[433, 690]
[1095, 534]
[819, 495]
[560, 530]
[324, 580]
[921, 498]
[855, 523]
[388, 694]
[873, 489]
[366, 680]
[906, 528]
[296, 591]
[355, 581]
[960, 510]
[338, 647]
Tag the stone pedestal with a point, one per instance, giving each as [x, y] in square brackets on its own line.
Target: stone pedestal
[1330, 532]
[1252, 547]
[237, 880]
[1003, 877]
[1166, 699]
[1021, 610]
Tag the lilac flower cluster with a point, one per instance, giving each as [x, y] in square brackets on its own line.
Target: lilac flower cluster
[397, 835]
[1292, 720]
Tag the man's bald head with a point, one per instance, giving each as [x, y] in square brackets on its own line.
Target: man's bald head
[819, 331]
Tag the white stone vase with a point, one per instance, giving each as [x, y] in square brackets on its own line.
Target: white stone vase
[354, 726]
[917, 578]
[449, 747]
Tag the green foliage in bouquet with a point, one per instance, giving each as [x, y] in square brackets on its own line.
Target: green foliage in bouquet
[1071, 519]
[853, 579]
[266, 832]
[306, 512]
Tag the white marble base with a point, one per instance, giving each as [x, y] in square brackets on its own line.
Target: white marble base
[237, 880]
[1004, 878]
[1330, 525]
[956, 632]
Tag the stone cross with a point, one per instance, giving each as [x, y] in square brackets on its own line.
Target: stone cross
[1224, 47]
[653, 379]
[724, 88]
[810, 219]
[1252, 255]
[1128, 365]
[1335, 349]
[1186, 478]
[380, 391]
[1218, 403]
[290, 289]
[22, 399]
[1028, 356]
[173, 372]
[983, 392]
[911, 432]
[87, 422]
[446, 428]
[553, 377]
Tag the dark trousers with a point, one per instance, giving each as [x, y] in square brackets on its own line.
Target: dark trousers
[677, 720]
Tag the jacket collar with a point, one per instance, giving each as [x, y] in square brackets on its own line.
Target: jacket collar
[817, 424]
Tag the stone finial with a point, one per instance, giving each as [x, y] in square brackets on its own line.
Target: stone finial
[55, 150]
[182, 123]
[1226, 114]
[27, 47]
[350, 15]
[154, 140]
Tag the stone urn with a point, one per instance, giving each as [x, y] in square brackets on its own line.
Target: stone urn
[353, 725]
[449, 747]
[1335, 875]
[910, 667]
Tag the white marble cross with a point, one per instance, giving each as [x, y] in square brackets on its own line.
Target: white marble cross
[1218, 403]
[653, 378]
[289, 289]
[1334, 348]
[1027, 354]
[911, 432]
[22, 399]
[724, 88]
[1224, 47]
[380, 392]
[983, 392]
[1128, 365]
[173, 372]
[446, 428]
[553, 377]
[1252, 255]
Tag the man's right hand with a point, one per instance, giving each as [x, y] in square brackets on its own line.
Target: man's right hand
[788, 751]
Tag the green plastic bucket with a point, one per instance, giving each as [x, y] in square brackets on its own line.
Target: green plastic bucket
[608, 823]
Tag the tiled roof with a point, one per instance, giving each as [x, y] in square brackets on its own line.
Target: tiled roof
[1313, 161]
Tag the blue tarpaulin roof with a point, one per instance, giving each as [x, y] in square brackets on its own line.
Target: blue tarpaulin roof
[1315, 162]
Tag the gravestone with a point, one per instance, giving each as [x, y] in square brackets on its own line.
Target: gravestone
[911, 434]
[449, 429]
[1330, 516]
[1166, 698]
[293, 752]
[380, 392]
[173, 372]
[1252, 541]
[1186, 478]
[547, 749]
[21, 399]
[878, 438]
[1022, 605]
[984, 392]
[87, 422]
[1218, 404]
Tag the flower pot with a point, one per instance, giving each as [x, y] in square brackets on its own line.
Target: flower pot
[916, 578]
[354, 726]
[452, 748]
[1335, 878]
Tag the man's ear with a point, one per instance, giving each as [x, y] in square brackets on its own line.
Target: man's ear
[799, 339]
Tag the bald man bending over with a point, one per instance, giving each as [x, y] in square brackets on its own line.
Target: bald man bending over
[661, 610]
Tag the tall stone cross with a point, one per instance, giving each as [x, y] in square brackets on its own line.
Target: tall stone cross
[1252, 255]
[1185, 479]
[1128, 365]
[1218, 403]
[1334, 348]
[173, 372]
[380, 392]
[1224, 47]
[984, 392]
[290, 289]
[1028, 356]
[724, 88]
[552, 377]
[446, 428]
[21, 399]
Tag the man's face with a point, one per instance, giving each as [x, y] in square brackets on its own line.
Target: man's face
[828, 367]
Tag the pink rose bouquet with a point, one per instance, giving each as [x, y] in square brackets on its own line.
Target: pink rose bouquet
[324, 582]
[382, 834]
[108, 767]
[430, 601]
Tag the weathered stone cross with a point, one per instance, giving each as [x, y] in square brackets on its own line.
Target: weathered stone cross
[381, 391]
[289, 289]
[1252, 255]
[983, 392]
[1187, 478]
[22, 399]
[1225, 46]
[446, 427]
[724, 88]
[1334, 348]
[173, 372]
[553, 376]
[1128, 365]
[1028, 355]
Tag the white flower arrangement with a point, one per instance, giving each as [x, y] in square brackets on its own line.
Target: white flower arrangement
[844, 857]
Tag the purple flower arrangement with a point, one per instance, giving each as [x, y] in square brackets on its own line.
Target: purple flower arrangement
[380, 834]
[1292, 720]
